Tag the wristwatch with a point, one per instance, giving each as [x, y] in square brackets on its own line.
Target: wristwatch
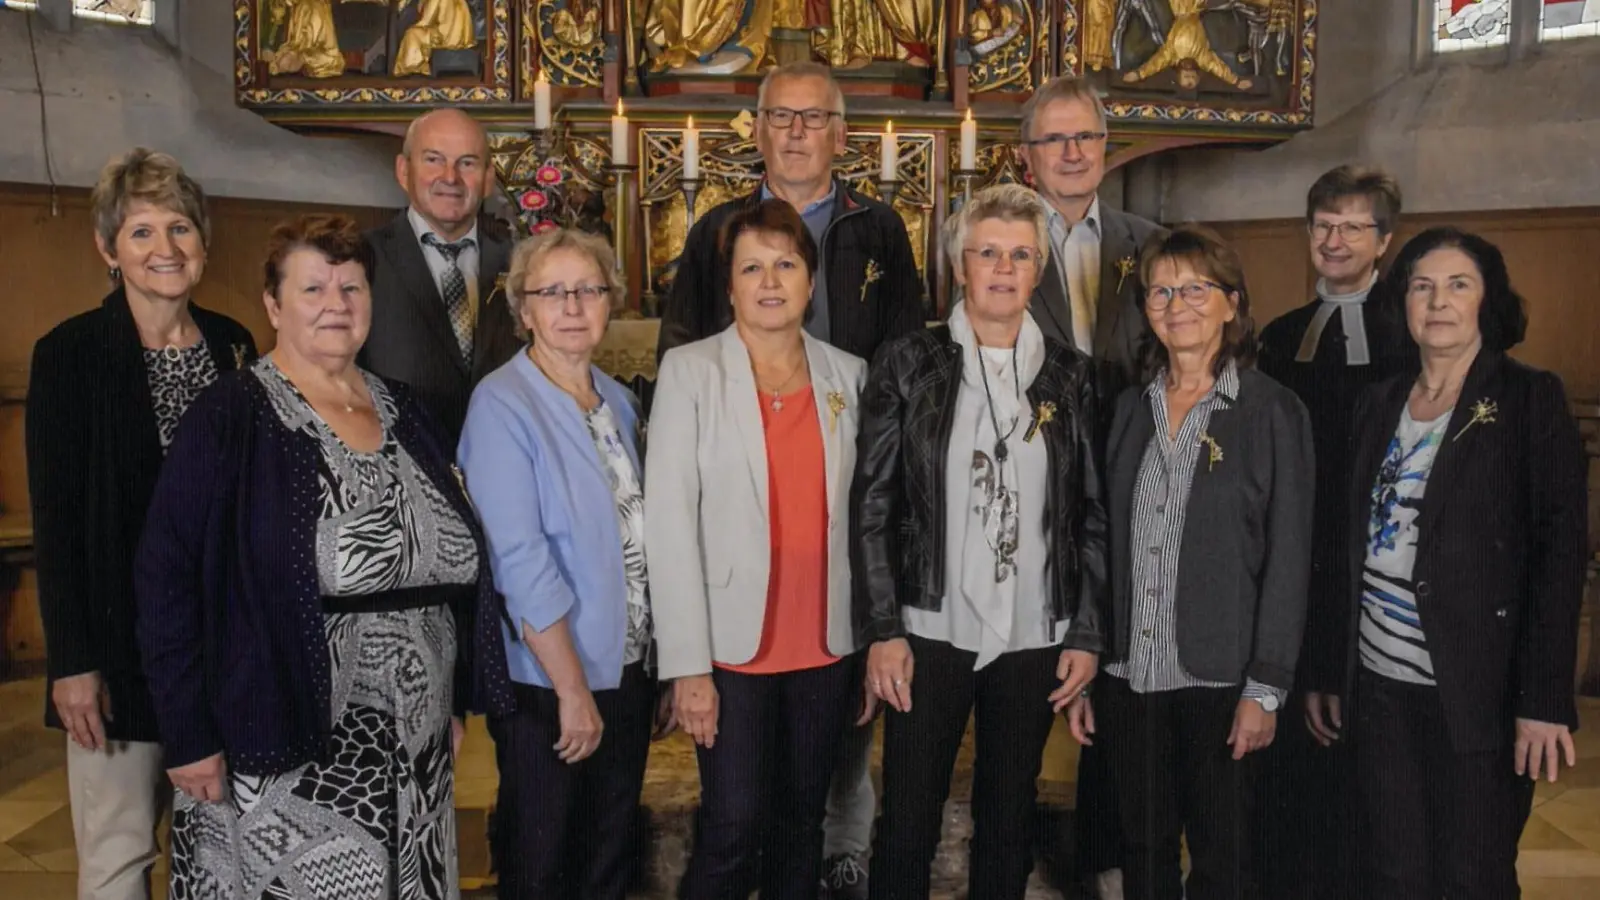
[1268, 703]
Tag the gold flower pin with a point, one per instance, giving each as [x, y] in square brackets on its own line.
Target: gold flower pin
[1214, 451]
[835, 407]
[238, 356]
[1124, 269]
[499, 288]
[1045, 414]
[874, 272]
[1483, 411]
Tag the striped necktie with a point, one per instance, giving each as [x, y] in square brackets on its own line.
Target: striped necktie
[453, 287]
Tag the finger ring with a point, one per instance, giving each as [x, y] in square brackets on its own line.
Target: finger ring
[898, 682]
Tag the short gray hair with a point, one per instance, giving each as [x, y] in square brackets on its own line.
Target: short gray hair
[530, 253]
[804, 69]
[1007, 202]
[1066, 87]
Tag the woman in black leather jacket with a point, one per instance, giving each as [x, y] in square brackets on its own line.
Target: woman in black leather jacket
[979, 551]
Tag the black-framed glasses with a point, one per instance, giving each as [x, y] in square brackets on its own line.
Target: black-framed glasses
[1195, 293]
[587, 294]
[1348, 231]
[1055, 141]
[783, 117]
[989, 257]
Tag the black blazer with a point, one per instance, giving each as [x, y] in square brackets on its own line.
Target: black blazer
[1119, 320]
[1503, 536]
[411, 338]
[1246, 552]
[93, 456]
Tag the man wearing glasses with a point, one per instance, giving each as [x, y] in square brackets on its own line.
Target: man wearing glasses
[868, 290]
[1087, 298]
[867, 293]
[1327, 351]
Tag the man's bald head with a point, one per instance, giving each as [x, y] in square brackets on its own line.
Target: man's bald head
[444, 167]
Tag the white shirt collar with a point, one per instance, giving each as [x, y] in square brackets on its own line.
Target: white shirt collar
[420, 227]
[1059, 229]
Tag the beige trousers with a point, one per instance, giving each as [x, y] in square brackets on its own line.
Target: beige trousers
[118, 795]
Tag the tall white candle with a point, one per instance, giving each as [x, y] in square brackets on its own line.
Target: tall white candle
[691, 150]
[619, 137]
[969, 142]
[890, 167]
[541, 102]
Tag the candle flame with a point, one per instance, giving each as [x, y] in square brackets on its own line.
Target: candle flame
[690, 126]
[541, 76]
[888, 127]
[969, 114]
[619, 106]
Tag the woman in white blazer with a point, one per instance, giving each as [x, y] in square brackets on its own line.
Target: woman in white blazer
[749, 459]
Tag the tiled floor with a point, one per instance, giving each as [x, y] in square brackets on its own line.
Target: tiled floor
[1560, 857]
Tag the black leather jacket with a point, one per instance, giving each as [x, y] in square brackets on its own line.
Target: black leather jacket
[897, 543]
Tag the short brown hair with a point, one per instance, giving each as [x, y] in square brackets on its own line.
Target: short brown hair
[530, 252]
[1065, 87]
[1211, 256]
[143, 175]
[336, 237]
[1378, 186]
[770, 216]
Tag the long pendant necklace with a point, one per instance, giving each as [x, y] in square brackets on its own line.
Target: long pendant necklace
[1003, 502]
[1001, 452]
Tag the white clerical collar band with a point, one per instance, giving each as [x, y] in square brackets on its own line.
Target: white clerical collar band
[1349, 307]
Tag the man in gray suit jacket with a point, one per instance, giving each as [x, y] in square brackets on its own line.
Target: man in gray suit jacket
[438, 322]
[1087, 298]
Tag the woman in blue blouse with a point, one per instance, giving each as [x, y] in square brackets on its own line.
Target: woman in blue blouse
[550, 444]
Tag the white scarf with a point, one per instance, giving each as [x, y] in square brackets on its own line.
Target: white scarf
[1356, 352]
[976, 517]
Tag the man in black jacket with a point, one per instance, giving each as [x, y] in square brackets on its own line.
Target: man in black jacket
[868, 292]
[438, 323]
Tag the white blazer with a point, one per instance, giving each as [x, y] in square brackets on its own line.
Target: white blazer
[707, 535]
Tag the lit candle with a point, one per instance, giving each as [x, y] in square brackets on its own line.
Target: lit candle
[619, 137]
[891, 153]
[541, 102]
[969, 142]
[691, 151]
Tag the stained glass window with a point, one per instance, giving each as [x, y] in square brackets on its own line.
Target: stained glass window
[1466, 24]
[19, 4]
[1564, 19]
[127, 12]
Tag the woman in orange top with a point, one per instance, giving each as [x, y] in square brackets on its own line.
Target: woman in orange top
[750, 453]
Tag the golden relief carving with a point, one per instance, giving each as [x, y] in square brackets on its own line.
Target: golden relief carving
[440, 25]
[704, 35]
[860, 31]
[577, 26]
[1002, 37]
[1188, 49]
[304, 38]
[1098, 18]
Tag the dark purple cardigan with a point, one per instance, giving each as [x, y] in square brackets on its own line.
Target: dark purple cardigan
[230, 615]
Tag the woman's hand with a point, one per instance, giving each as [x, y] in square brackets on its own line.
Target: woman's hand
[1075, 670]
[1080, 718]
[202, 780]
[1253, 728]
[695, 698]
[84, 705]
[581, 727]
[458, 733]
[1537, 745]
[889, 670]
[1323, 718]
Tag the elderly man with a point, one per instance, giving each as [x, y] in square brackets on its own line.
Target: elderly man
[867, 292]
[1087, 298]
[437, 322]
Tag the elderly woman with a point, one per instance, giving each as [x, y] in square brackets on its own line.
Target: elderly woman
[1468, 487]
[752, 445]
[1209, 474]
[980, 542]
[550, 442]
[106, 390]
[312, 587]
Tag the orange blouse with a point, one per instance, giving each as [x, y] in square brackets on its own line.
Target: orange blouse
[794, 632]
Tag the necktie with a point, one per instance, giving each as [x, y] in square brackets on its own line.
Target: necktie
[453, 288]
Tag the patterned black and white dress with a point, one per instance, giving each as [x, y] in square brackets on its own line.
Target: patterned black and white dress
[176, 377]
[377, 820]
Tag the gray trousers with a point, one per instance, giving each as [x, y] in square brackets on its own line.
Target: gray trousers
[852, 803]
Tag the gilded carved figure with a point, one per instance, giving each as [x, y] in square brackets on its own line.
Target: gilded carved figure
[994, 24]
[705, 35]
[577, 25]
[308, 44]
[1187, 48]
[440, 25]
[1266, 20]
[860, 31]
[1126, 10]
[1098, 18]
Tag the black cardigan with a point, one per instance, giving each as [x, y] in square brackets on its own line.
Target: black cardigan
[1503, 542]
[93, 457]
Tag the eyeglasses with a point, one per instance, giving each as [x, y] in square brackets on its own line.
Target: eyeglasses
[587, 294]
[1195, 293]
[814, 119]
[1348, 231]
[1060, 141]
[989, 257]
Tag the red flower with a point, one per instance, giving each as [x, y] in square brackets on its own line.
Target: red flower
[533, 201]
[544, 225]
[548, 175]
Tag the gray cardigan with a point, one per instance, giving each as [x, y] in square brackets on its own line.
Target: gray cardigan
[1245, 560]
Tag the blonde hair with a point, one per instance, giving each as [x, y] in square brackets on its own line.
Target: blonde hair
[1066, 87]
[530, 253]
[144, 175]
[1007, 202]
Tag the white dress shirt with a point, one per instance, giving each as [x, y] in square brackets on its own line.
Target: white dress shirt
[1077, 252]
[466, 261]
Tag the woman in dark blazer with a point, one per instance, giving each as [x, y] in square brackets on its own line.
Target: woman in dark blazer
[105, 391]
[1468, 535]
[1209, 472]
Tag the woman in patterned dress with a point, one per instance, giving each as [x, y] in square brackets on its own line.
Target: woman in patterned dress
[105, 392]
[550, 444]
[312, 587]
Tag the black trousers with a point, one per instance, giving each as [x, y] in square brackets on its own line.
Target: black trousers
[1305, 822]
[1438, 823]
[566, 831]
[764, 783]
[1012, 719]
[1097, 823]
[1176, 778]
